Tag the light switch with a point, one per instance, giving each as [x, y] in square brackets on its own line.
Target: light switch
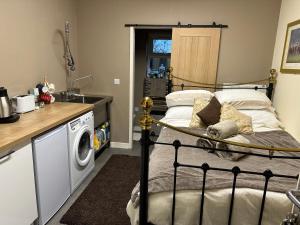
[116, 81]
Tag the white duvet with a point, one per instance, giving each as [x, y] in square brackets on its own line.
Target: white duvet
[216, 207]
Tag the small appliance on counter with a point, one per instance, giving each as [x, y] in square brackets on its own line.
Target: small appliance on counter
[6, 111]
[23, 103]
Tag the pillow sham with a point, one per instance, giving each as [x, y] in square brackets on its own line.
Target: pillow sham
[210, 114]
[263, 119]
[199, 104]
[187, 97]
[177, 122]
[244, 99]
[246, 86]
[244, 122]
[179, 112]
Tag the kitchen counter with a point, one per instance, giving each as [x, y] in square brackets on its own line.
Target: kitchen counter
[34, 123]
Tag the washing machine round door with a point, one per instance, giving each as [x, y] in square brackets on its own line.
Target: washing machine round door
[83, 146]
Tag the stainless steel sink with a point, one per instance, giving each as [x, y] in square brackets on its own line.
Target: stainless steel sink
[101, 104]
[76, 98]
[85, 99]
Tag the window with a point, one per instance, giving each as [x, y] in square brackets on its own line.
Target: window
[159, 53]
[162, 46]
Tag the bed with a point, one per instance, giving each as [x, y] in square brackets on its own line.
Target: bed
[248, 191]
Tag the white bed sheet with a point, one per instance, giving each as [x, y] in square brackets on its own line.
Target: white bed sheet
[247, 201]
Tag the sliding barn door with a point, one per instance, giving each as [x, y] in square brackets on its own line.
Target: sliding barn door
[195, 54]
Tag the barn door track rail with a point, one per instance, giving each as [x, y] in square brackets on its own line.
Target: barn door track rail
[178, 25]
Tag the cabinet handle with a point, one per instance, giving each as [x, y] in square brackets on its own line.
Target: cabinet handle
[6, 157]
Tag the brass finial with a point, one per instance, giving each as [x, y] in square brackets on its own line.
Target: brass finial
[146, 120]
[272, 77]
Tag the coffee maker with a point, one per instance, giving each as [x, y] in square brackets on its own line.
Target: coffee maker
[6, 111]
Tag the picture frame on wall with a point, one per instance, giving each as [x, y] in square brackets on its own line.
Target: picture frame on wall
[291, 53]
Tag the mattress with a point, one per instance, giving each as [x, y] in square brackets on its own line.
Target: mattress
[216, 207]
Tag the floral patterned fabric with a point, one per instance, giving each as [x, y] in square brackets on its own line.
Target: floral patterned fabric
[199, 104]
[244, 122]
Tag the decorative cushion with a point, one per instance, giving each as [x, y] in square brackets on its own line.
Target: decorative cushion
[199, 104]
[244, 122]
[210, 114]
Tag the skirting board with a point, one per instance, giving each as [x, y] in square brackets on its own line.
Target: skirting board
[120, 145]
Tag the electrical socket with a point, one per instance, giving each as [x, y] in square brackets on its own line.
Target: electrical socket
[117, 81]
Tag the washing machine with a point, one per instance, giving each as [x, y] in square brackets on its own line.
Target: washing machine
[81, 152]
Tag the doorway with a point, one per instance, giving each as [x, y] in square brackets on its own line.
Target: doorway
[194, 53]
[152, 59]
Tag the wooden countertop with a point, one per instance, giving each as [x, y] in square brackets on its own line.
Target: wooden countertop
[34, 123]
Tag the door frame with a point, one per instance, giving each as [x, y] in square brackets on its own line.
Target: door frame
[132, 75]
[131, 82]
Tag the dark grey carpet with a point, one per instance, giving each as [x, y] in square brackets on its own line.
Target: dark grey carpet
[104, 201]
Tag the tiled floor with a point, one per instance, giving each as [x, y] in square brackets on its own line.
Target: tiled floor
[99, 163]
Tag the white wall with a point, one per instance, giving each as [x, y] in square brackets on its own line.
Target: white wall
[286, 98]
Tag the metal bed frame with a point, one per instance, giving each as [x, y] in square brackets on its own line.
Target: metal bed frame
[146, 122]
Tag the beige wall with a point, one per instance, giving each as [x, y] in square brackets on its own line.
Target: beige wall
[286, 98]
[31, 44]
[245, 54]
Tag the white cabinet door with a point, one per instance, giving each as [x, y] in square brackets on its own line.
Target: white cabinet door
[17, 188]
[52, 172]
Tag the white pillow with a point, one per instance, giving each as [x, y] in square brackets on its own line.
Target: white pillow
[176, 122]
[187, 97]
[263, 87]
[263, 119]
[179, 112]
[244, 99]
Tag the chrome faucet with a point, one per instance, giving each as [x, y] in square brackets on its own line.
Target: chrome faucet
[71, 89]
[81, 78]
[77, 95]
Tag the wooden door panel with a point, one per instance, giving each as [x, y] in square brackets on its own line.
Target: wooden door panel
[195, 54]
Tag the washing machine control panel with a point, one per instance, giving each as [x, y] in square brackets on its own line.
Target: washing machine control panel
[75, 124]
[87, 117]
